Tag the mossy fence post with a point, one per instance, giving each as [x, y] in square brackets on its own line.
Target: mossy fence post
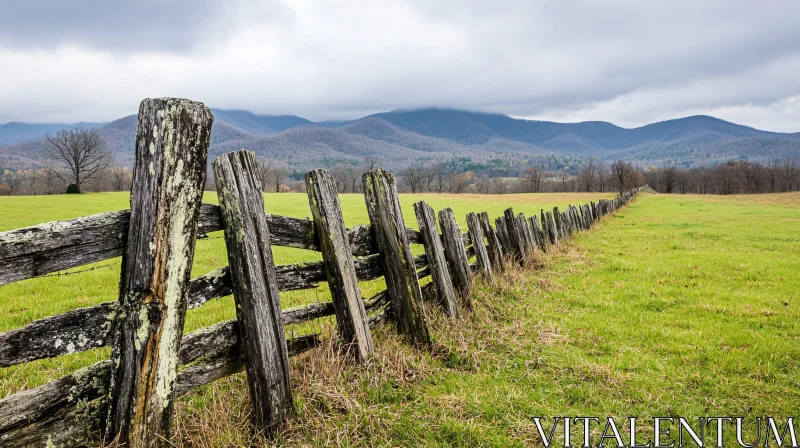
[255, 288]
[391, 236]
[440, 275]
[340, 269]
[169, 171]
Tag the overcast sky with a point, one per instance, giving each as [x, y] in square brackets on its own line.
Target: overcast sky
[628, 62]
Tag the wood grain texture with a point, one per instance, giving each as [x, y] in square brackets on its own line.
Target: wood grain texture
[481, 252]
[255, 288]
[494, 247]
[88, 328]
[389, 231]
[502, 235]
[456, 256]
[516, 241]
[440, 275]
[168, 178]
[351, 319]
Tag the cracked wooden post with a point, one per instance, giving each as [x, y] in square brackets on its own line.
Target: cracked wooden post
[255, 288]
[551, 227]
[456, 256]
[533, 222]
[351, 318]
[443, 284]
[391, 237]
[522, 225]
[481, 254]
[169, 174]
[495, 251]
[502, 235]
[515, 236]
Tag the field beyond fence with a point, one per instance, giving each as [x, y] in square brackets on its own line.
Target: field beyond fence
[129, 398]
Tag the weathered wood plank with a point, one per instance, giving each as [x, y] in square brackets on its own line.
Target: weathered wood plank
[88, 328]
[255, 288]
[389, 231]
[495, 250]
[481, 254]
[515, 236]
[69, 411]
[351, 319]
[502, 235]
[440, 275]
[169, 174]
[456, 256]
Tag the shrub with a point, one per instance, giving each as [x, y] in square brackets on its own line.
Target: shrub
[72, 189]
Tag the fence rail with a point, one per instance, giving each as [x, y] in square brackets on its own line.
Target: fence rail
[92, 402]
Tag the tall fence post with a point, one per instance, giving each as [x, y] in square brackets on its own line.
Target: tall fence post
[169, 174]
[255, 288]
[443, 284]
[351, 318]
[456, 255]
[495, 251]
[481, 254]
[389, 230]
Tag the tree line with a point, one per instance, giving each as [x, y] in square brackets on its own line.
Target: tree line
[79, 160]
[734, 177]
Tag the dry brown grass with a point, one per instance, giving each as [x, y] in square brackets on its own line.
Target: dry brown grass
[791, 199]
[335, 398]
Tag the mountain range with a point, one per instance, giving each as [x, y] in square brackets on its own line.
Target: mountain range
[403, 137]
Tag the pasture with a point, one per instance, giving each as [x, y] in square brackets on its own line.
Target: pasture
[676, 305]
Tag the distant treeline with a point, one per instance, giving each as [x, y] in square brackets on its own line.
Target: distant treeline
[734, 177]
[457, 175]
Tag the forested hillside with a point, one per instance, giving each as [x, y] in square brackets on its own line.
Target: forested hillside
[405, 137]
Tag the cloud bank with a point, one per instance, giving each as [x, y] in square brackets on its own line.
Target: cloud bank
[630, 62]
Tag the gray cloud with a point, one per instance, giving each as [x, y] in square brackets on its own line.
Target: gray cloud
[626, 61]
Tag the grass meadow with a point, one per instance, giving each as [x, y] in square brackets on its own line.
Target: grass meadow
[677, 305]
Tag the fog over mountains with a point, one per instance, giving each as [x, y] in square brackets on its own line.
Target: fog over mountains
[403, 137]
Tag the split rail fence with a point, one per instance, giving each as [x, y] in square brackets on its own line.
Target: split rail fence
[129, 398]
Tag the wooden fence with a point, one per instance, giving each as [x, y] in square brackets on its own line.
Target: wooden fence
[129, 398]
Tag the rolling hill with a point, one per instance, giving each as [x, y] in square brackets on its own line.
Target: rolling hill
[402, 137]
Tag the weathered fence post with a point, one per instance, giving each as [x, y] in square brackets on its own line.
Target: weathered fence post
[495, 251]
[456, 255]
[351, 318]
[502, 235]
[169, 173]
[255, 288]
[389, 230]
[443, 284]
[481, 254]
[514, 236]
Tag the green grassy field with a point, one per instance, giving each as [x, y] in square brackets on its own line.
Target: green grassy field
[23, 302]
[675, 306]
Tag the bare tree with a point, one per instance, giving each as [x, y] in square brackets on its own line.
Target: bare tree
[789, 174]
[413, 178]
[459, 181]
[264, 168]
[622, 173]
[586, 176]
[439, 174]
[83, 152]
[532, 179]
[498, 186]
[669, 178]
[602, 176]
[120, 176]
[278, 175]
